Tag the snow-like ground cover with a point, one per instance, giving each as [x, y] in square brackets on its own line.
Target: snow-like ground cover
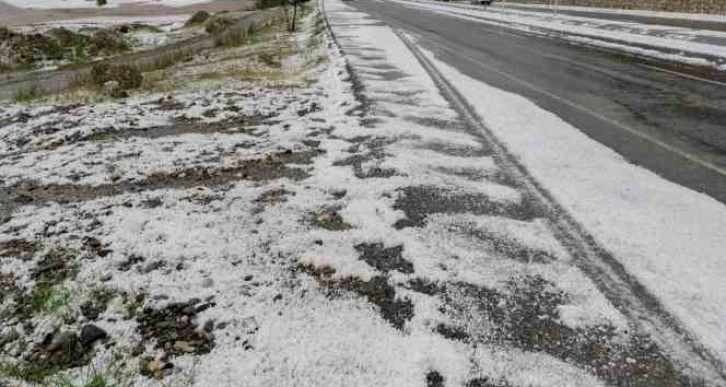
[614, 11]
[332, 223]
[695, 47]
[143, 32]
[165, 23]
[671, 238]
[76, 4]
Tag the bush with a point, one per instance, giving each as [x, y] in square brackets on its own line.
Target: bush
[27, 94]
[101, 3]
[124, 77]
[6, 33]
[199, 17]
[106, 42]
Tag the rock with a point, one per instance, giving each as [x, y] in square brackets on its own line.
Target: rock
[91, 311]
[207, 283]
[90, 334]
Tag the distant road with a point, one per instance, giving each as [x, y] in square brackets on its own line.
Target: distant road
[661, 120]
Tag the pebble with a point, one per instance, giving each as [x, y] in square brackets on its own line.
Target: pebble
[90, 334]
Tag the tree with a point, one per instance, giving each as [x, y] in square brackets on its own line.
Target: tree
[295, 4]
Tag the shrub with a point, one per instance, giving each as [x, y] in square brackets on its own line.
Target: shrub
[106, 42]
[124, 77]
[199, 17]
[27, 94]
[101, 3]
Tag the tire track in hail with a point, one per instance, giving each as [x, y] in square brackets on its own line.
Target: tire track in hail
[620, 287]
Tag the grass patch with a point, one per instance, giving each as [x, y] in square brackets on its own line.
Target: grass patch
[44, 299]
[30, 373]
[27, 94]
[35, 375]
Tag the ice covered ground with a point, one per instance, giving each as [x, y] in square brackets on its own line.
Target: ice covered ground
[144, 32]
[691, 46]
[669, 237]
[165, 23]
[628, 12]
[75, 4]
[320, 219]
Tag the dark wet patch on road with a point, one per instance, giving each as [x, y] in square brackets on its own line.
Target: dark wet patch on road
[417, 202]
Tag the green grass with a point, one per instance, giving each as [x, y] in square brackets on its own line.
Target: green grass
[30, 373]
[43, 300]
[27, 94]
[36, 375]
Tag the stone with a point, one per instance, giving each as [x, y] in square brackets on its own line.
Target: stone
[90, 334]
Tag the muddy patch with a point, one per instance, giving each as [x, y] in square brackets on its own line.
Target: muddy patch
[377, 291]
[370, 150]
[525, 314]
[274, 196]
[181, 126]
[55, 266]
[18, 248]
[506, 247]
[174, 328]
[420, 201]
[384, 259]
[272, 167]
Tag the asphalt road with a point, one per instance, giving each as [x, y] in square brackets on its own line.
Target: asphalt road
[672, 124]
[663, 21]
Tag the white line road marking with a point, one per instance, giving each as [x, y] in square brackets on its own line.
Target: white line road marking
[690, 157]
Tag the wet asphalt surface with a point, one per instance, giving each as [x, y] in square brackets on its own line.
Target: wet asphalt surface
[697, 24]
[611, 91]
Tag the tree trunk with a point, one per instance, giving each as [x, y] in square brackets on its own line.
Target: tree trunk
[294, 15]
